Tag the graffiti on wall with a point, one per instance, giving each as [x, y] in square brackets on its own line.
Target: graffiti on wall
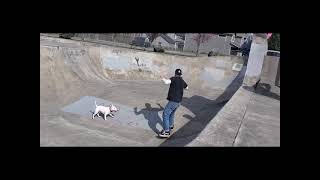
[125, 63]
[116, 51]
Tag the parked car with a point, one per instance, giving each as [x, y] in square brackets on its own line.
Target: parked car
[140, 41]
[66, 35]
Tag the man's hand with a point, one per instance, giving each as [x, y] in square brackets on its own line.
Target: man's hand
[165, 80]
[160, 106]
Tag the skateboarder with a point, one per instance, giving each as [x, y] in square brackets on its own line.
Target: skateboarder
[177, 85]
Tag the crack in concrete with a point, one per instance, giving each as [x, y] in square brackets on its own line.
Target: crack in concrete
[245, 112]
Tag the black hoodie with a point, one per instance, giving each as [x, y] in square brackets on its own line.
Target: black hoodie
[176, 89]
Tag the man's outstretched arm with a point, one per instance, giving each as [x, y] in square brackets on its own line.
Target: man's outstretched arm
[160, 106]
[165, 80]
[136, 112]
[185, 85]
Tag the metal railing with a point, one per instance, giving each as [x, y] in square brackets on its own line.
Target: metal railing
[273, 53]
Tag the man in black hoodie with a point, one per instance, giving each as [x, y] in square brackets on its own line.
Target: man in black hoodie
[175, 94]
[245, 49]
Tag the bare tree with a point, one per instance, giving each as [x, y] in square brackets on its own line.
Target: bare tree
[152, 36]
[201, 38]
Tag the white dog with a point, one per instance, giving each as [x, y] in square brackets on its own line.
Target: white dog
[105, 110]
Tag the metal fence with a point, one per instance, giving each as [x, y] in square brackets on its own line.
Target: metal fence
[113, 37]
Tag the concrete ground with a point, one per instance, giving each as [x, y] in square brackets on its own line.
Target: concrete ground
[261, 123]
[146, 98]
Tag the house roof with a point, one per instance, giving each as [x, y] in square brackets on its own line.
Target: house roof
[170, 40]
[167, 38]
[239, 35]
[181, 35]
[234, 45]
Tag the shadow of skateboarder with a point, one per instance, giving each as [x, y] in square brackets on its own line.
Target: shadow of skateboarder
[151, 114]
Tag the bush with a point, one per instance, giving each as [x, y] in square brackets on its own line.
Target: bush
[157, 49]
[215, 53]
[212, 53]
[66, 35]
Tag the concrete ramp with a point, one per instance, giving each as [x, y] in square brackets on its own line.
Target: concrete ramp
[252, 116]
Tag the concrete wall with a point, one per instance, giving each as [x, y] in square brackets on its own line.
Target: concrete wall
[200, 72]
[79, 62]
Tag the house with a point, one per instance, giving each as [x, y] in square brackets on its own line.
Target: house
[214, 42]
[181, 35]
[238, 38]
[223, 43]
[220, 43]
[141, 35]
[169, 40]
[178, 38]
[163, 41]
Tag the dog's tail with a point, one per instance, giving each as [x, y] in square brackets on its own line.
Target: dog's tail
[95, 102]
